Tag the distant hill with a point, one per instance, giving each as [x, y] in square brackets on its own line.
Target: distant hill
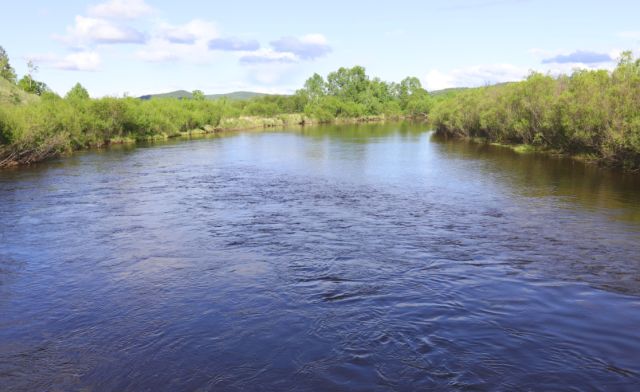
[446, 91]
[10, 93]
[237, 95]
[183, 94]
[453, 90]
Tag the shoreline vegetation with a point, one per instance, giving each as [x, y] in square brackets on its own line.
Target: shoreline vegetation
[592, 115]
[37, 124]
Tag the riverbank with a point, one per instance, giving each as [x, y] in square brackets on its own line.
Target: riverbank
[591, 114]
[587, 158]
[16, 155]
[34, 128]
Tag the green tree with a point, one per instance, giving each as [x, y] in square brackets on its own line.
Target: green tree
[315, 88]
[28, 84]
[408, 88]
[77, 92]
[348, 83]
[6, 70]
[197, 95]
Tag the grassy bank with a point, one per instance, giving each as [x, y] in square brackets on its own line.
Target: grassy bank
[593, 115]
[51, 126]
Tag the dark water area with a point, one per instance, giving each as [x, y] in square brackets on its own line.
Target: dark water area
[359, 258]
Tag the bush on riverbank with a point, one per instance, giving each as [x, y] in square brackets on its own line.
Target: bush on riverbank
[54, 125]
[590, 113]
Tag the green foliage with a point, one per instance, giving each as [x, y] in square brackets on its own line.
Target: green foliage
[594, 113]
[6, 70]
[350, 92]
[408, 89]
[197, 95]
[6, 127]
[77, 92]
[11, 94]
[32, 86]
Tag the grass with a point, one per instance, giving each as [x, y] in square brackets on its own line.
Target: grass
[10, 94]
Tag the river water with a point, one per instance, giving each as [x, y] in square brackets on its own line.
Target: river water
[360, 258]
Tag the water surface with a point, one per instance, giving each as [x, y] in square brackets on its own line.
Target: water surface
[361, 258]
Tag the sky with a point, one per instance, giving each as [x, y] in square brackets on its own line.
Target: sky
[137, 47]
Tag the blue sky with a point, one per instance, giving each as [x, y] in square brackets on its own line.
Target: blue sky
[135, 47]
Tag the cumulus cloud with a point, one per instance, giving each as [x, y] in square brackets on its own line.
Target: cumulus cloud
[284, 50]
[188, 33]
[579, 57]
[266, 56]
[87, 31]
[179, 36]
[77, 61]
[474, 76]
[80, 61]
[187, 42]
[307, 47]
[437, 80]
[233, 44]
[125, 9]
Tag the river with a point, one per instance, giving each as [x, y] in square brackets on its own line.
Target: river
[352, 257]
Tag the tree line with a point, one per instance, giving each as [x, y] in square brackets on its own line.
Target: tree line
[53, 125]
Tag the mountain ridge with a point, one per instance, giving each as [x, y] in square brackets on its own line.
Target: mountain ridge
[184, 94]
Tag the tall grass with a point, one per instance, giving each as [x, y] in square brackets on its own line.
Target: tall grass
[52, 125]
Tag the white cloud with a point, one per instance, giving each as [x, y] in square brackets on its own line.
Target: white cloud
[188, 33]
[77, 61]
[268, 56]
[436, 80]
[126, 9]
[579, 57]
[542, 54]
[80, 61]
[474, 76]
[289, 50]
[188, 42]
[307, 47]
[233, 44]
[88, 31]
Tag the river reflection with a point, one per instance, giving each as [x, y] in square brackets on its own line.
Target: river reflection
[353, 257]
